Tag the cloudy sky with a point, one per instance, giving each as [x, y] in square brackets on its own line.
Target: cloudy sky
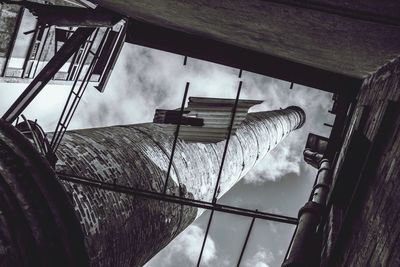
[145, 79]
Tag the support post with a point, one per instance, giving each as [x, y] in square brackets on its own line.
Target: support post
[245, 241]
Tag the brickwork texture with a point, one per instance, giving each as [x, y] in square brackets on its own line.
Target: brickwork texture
[373, 235]
[122, 230]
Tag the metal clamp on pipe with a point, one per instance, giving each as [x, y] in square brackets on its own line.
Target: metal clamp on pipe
[305, 249]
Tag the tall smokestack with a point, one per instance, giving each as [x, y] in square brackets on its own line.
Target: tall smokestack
[121, 230]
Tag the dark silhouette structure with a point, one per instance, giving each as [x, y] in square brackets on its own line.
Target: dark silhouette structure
[348, 48]
[116, 228]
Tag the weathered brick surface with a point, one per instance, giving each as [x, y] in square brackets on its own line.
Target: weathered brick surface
[38, 226]
[375, 235]
[123, 230]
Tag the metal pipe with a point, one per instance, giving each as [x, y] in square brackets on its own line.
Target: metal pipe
[305, 249]
[312, 158]
[321, 189]
[176, 199]
[176, 136]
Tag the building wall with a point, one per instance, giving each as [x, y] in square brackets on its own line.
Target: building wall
[122, 230]
[362, 228]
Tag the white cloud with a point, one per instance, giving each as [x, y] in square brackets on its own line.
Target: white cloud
[226, 262]
[262, 258]
[185, 249]
[272, 225]
[279, 162]
[287, 158]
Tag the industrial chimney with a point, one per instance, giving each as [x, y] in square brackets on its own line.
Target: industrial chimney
[75, 224]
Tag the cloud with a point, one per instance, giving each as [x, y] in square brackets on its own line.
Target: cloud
[185, 249]
[226, 262]
[279, 162]
[286, 158]
[145, 79]
[158, 79]
[262, 258]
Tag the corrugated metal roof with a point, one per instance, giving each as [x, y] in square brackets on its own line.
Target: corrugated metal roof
[216, 113]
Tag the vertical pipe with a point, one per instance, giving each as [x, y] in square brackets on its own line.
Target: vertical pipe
[306, 249]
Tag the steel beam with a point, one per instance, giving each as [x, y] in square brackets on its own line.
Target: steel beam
[175, 199]
[205, 238]
[181, 111]
[246, 241]
[228, 137]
